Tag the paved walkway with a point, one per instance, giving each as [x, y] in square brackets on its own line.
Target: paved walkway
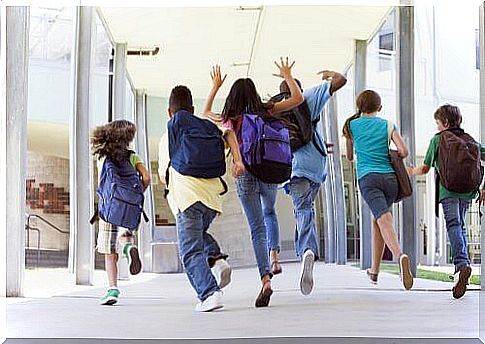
[161, 306]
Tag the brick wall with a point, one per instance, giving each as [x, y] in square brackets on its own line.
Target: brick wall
[48, 196]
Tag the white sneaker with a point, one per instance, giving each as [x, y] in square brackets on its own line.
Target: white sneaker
[306, 275]
[210, 304]
[222, 272]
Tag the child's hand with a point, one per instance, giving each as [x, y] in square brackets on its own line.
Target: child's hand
[217, 80]
[285, 68]
[238, 169]
[411, 170]
[482, 196]
[326, 74]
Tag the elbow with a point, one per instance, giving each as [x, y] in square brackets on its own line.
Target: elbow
[403, 153]
[350, 157]
[298, 99]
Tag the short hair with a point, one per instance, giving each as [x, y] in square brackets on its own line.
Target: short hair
[449, 115]
[284, 86]
[180, 99]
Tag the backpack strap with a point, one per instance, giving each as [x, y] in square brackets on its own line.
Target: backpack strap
[167, 180]
[95, 217]
[314, 137]
[390, 131]
[224, 184]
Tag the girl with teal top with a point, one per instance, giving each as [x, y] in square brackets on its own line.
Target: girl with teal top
[370, 136]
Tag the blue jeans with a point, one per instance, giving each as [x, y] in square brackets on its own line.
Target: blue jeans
[455, 210]
[258, 201]
[197, 246]
[303, 192]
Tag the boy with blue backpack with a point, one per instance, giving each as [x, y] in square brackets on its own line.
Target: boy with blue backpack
[122, 180]
[308, 167]
[191, 164]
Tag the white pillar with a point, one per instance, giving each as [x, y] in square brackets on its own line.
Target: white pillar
[405, 106]
[81, 169]
[145, 233]
[365, 218]
[119, 82]
[482, 140]
[17, 62]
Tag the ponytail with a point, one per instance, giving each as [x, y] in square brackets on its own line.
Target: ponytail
[346, 129]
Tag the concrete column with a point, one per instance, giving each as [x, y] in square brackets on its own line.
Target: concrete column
[81, 169]
[405, 107]
[326, 193]
[119, 82]
[146, 229]
[365, 218]
[482, 140]
[17, 63]
[340, 222]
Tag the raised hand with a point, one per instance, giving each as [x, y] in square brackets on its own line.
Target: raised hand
[217, 80]
[284, 67]
[326, 74]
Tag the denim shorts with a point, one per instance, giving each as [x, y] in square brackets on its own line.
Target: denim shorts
[379, 191]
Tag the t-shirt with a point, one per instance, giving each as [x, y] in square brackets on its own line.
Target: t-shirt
[184, 191]
[370, 136]
[432, 160]
[134, 160]
[308, 162]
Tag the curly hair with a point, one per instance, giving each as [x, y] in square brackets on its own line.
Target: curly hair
[111, 140]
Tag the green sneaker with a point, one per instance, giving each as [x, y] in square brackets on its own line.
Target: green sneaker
[111, 297]
[131, 253]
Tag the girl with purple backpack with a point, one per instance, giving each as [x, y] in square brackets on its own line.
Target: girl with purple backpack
[257, 198]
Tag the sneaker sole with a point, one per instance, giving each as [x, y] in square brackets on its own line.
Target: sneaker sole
[109, 301]
[460, 289]
[225, 278]
[306, 279]
[210, 309]
[406, 275]
[135, 262]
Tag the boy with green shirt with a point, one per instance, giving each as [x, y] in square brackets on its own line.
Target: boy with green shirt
[455, 205]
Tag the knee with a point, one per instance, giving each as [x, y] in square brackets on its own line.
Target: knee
[385, 218]
[269, 211]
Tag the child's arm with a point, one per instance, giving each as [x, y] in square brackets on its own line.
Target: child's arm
[296, 97]
[418, 171]
[350, 149]
[145, 175]
[238, 167]
[401, 146]
[338, 80]
[217, 82]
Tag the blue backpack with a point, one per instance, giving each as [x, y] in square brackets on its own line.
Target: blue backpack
[120, 193]
[196, 147]
[265, 148]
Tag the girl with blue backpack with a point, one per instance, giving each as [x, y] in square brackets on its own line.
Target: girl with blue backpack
[265, 149]
[122, 180]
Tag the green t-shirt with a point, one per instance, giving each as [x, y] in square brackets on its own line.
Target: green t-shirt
[432, 160]
[134, 160]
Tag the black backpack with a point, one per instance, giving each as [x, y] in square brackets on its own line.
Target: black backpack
[300, 125]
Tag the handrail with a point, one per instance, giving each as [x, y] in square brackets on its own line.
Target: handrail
[29, 216]
[35, 229]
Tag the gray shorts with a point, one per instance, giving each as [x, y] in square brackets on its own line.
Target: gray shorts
[379, 191]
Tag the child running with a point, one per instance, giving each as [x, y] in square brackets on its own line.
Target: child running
[378, 184]
[110, 144]
[191, 164]
[461, 156]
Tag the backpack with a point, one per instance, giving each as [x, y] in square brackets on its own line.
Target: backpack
[120, 193]
[265, 148]
[300, 125]
[196, 148]
[459, 155]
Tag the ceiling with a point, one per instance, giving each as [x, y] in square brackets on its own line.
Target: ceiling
[191, 40]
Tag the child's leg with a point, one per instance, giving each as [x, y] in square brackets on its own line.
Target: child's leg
[378, 247]
[190, 229]
[464, 206]
[212, 250]
[131, 252]
[111, 266]
[454, 227]
[106, 244]
[389, 235]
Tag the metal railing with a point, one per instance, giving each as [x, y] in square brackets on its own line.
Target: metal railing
[29, 228]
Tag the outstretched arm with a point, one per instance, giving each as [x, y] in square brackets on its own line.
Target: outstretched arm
[296, 97]
[337, 80]
[217, 82]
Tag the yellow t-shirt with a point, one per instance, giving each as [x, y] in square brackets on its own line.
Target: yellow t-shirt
[184, 191]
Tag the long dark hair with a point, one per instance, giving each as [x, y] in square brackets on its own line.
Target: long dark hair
[368, 101]
[111, 140]
[243, 98]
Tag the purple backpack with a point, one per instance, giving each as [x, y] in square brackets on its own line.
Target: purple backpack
[265, 148]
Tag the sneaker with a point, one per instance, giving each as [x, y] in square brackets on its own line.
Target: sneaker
[210, 304]
[405, 272]
[460, 281]
[306, 275]
[222, 272]
[111, 297]
[134, 262]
